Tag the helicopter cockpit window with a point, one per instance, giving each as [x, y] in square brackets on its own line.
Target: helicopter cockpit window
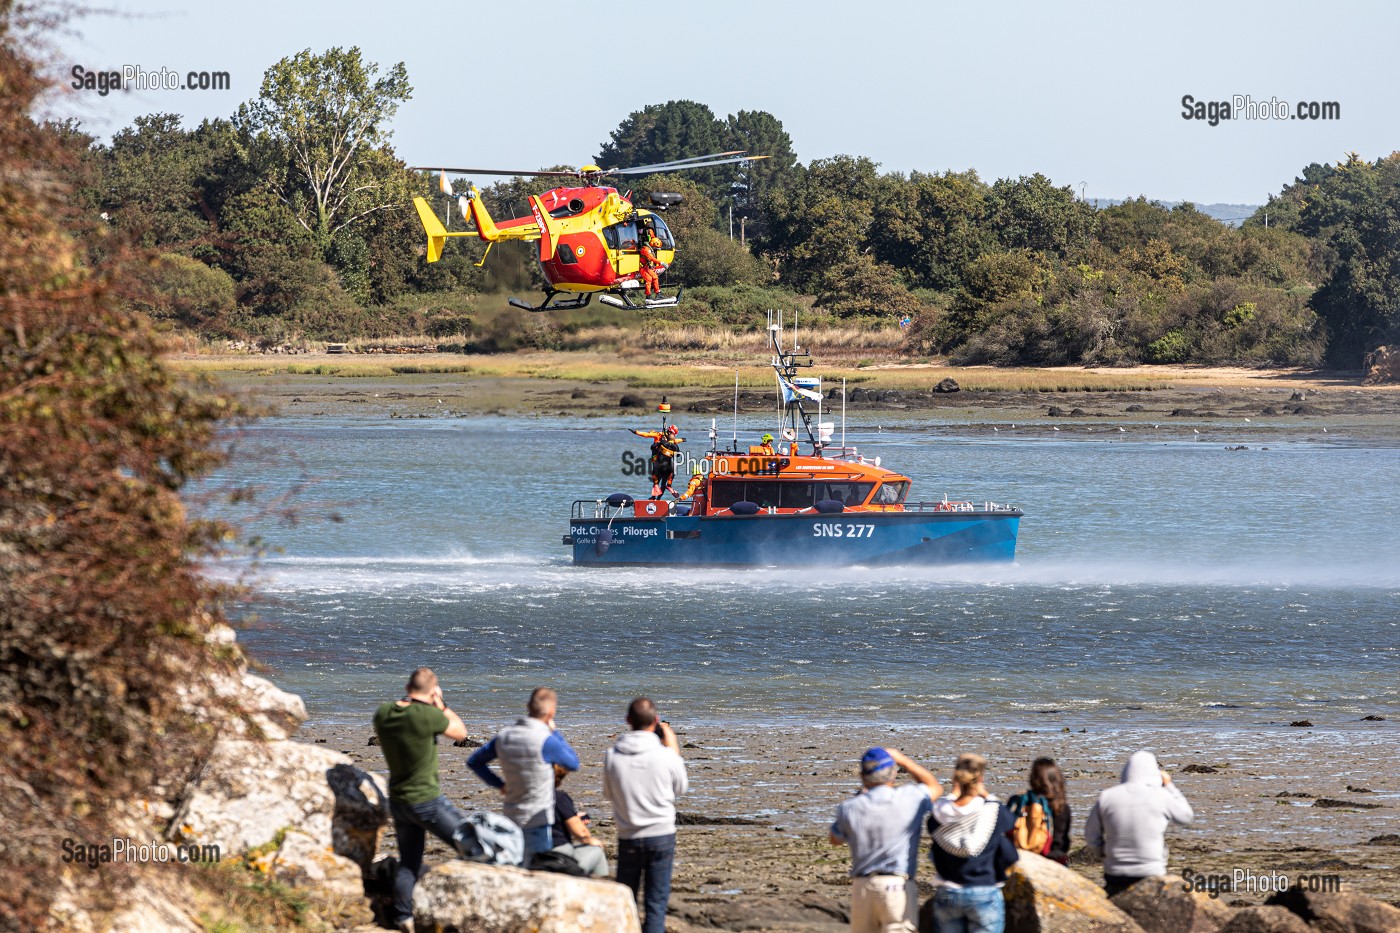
[663, 233]
[621, 236]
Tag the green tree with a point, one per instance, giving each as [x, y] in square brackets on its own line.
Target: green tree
[1353, 212]
[186, 292]
[324, 117]
[1031, 213]
[932, 227]
[677, 129]
[150, 182]
[822, 219]
[759, 133]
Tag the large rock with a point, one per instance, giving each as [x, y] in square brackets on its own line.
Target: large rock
[155, 905]
[274, 711]
[1342, 912]
[1265, 920]
[467, 897]
[1046, 897]
[250, 790]
[303, 862]
[1167, 905]
[1382, 366]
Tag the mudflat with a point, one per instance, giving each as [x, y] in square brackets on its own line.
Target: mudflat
[1228, 403]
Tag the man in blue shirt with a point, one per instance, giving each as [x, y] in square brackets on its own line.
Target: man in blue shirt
[882, 824]
[528, 752]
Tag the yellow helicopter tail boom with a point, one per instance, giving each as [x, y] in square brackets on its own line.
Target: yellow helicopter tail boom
[437, 233]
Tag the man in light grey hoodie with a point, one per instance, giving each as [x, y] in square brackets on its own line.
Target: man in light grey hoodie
[643, 774]
[1128, 824]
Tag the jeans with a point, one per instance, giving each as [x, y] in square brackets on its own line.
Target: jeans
[537, 839]
[412, 823]
[979, 909]
[653, 856]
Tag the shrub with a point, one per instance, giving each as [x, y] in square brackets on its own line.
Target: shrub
[103, 609]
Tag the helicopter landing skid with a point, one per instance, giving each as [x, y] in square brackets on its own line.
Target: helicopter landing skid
[549, 304]
[623, 299]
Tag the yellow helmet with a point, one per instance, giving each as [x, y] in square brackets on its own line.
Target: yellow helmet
[767, 438]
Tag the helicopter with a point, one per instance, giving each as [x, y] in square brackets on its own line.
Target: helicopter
[588, 233]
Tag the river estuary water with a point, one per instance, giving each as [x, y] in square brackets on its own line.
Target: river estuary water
[1160, 581]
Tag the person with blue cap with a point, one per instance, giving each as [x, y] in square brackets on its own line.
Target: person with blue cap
[882, 825]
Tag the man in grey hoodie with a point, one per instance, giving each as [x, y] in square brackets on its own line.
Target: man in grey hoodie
[1128, 824]
[643, 774]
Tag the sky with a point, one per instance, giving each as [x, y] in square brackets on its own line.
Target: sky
[1088, 93]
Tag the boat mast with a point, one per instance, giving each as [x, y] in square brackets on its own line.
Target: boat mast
[786, 364]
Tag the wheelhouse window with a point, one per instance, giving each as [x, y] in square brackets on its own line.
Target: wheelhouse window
[786, 494]
[891, 493]
[622, 235]
[848, 494]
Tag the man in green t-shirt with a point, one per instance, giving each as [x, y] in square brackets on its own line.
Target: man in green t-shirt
[408, 731]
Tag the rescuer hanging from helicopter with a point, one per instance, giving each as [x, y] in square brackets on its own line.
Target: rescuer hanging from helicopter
[665, 444]
[648, 244]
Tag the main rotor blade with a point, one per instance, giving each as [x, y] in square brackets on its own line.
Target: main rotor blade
[649, 169]
[488, 171]
[673, 162]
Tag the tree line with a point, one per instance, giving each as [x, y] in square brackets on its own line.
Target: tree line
[291, 219]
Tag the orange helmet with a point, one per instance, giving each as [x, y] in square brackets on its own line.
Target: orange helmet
[672, 429]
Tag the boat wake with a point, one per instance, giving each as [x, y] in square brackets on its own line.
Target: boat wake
[457, 574]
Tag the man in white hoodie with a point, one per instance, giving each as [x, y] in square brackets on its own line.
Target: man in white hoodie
[1128, 824]
[643, 774]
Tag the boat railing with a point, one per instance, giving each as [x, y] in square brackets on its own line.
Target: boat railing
[596, 509]
[944, 505]
[600, 510]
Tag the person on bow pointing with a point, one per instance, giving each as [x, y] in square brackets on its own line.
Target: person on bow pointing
[665, 444]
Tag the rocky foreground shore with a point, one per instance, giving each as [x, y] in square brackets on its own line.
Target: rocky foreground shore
[310, 812]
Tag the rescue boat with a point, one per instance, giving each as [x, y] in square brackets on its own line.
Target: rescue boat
[759, 507]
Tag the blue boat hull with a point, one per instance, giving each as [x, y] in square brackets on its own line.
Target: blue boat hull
[864, 538]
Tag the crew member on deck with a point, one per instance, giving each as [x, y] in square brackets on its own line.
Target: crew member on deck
[664, 447]
[766, 448]
[696, 482]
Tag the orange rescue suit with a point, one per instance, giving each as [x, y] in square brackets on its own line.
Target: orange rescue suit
[649, 265]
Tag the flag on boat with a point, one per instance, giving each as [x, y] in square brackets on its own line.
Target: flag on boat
[807, 388]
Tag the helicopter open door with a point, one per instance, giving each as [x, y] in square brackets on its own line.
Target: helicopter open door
[621, 239]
